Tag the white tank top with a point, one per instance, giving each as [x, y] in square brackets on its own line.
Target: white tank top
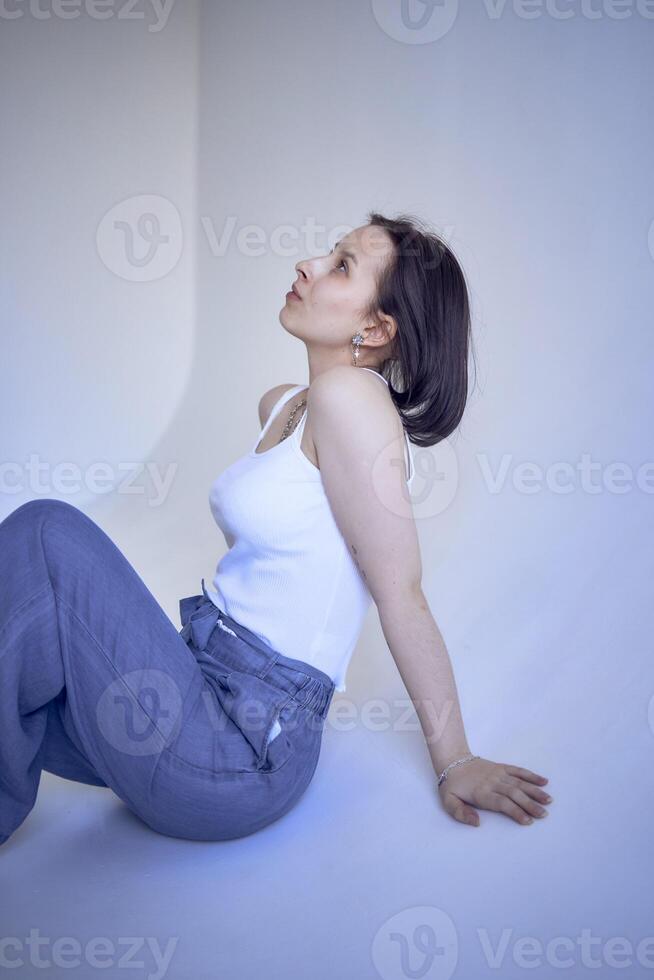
[288, 575]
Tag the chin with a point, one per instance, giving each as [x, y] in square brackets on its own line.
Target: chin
[293, 332]
[282, 316]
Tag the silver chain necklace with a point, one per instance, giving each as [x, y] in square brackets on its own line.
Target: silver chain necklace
[287, 428]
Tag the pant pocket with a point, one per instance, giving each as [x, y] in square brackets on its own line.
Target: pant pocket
[274, 731]
[258, 709]
[225, 628]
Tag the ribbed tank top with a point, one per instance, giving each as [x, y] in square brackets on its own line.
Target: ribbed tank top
[288, 575]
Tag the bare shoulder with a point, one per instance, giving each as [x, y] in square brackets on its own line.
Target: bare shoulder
[344, 393]
[341, 376]
[346, 377]
[341, 389]
[269, 398]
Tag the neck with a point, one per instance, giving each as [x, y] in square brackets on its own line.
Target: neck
[319, 362]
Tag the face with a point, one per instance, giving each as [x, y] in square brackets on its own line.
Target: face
[334, 292]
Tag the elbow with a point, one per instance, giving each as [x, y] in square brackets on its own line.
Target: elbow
[407, 595]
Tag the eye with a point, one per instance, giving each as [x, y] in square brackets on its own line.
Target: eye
[343, 262]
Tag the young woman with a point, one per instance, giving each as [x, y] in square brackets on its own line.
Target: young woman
[215, 731]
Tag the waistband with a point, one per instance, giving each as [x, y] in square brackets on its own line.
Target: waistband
[208, 625]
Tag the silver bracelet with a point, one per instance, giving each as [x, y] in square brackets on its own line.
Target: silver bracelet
[466, 758]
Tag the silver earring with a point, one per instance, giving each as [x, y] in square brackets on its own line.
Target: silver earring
[357, 340]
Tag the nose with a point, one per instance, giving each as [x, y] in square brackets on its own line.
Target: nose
[301, 268]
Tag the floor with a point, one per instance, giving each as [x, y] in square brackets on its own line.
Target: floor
[368, 876]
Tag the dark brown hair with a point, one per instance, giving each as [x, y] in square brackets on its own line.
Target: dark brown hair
[424, 289]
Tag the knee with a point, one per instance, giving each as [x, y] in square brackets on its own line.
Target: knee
[46, 507]
[36, 511]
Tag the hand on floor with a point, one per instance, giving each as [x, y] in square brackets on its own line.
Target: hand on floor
[493, 786]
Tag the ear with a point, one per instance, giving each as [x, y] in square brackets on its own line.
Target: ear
[382, 332]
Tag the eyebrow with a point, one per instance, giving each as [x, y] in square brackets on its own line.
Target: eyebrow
[345, 251]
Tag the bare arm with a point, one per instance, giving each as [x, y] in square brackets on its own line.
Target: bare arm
[361, 454]
[419, 651]
[359, 442]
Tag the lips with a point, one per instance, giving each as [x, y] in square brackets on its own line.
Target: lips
[294, 290]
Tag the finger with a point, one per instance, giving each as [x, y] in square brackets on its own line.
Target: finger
[460, 811]
[504, 804]
[526, 802]
[537, 794]
[526, 774]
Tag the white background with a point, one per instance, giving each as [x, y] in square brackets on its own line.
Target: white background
[526, 140]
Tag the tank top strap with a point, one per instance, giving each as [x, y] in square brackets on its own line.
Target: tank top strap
[410, 466]
[297, 431]
[409, 456]
[274, 411]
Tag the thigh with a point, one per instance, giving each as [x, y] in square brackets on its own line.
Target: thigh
[62, 754]
[77, 617]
